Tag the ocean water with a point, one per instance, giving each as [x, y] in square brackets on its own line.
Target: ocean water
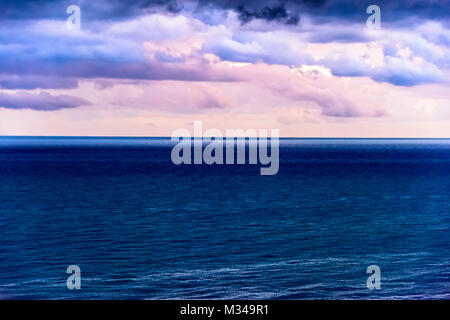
[140, 227]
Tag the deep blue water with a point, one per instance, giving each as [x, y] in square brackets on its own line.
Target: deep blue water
[140, 227]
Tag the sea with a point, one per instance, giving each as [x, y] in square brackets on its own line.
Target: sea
[140, 227]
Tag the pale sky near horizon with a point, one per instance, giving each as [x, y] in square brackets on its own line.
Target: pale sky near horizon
[145, 68]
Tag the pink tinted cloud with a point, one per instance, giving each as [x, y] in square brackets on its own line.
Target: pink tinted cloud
[258, 88]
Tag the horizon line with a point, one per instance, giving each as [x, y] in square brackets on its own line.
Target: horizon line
[165, 137]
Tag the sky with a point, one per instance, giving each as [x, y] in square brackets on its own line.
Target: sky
[146, 68]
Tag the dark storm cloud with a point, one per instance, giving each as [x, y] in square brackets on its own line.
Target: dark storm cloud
[284, 11]
[275, 13]
[290, 11]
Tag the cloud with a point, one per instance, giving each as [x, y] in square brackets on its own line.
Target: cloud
[330, 101]
[134, 48]
[276, 47]
[295, 61]
[275, 13]
[118, 52]
[91, 10]
[167, 96]
[334, 32]
[284, 47]
[262, 88]
[396, 12]
[42, 101]
[282, 11]
[406, 73]
[33, 82]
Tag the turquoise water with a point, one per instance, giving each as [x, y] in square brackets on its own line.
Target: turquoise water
[140, 227]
